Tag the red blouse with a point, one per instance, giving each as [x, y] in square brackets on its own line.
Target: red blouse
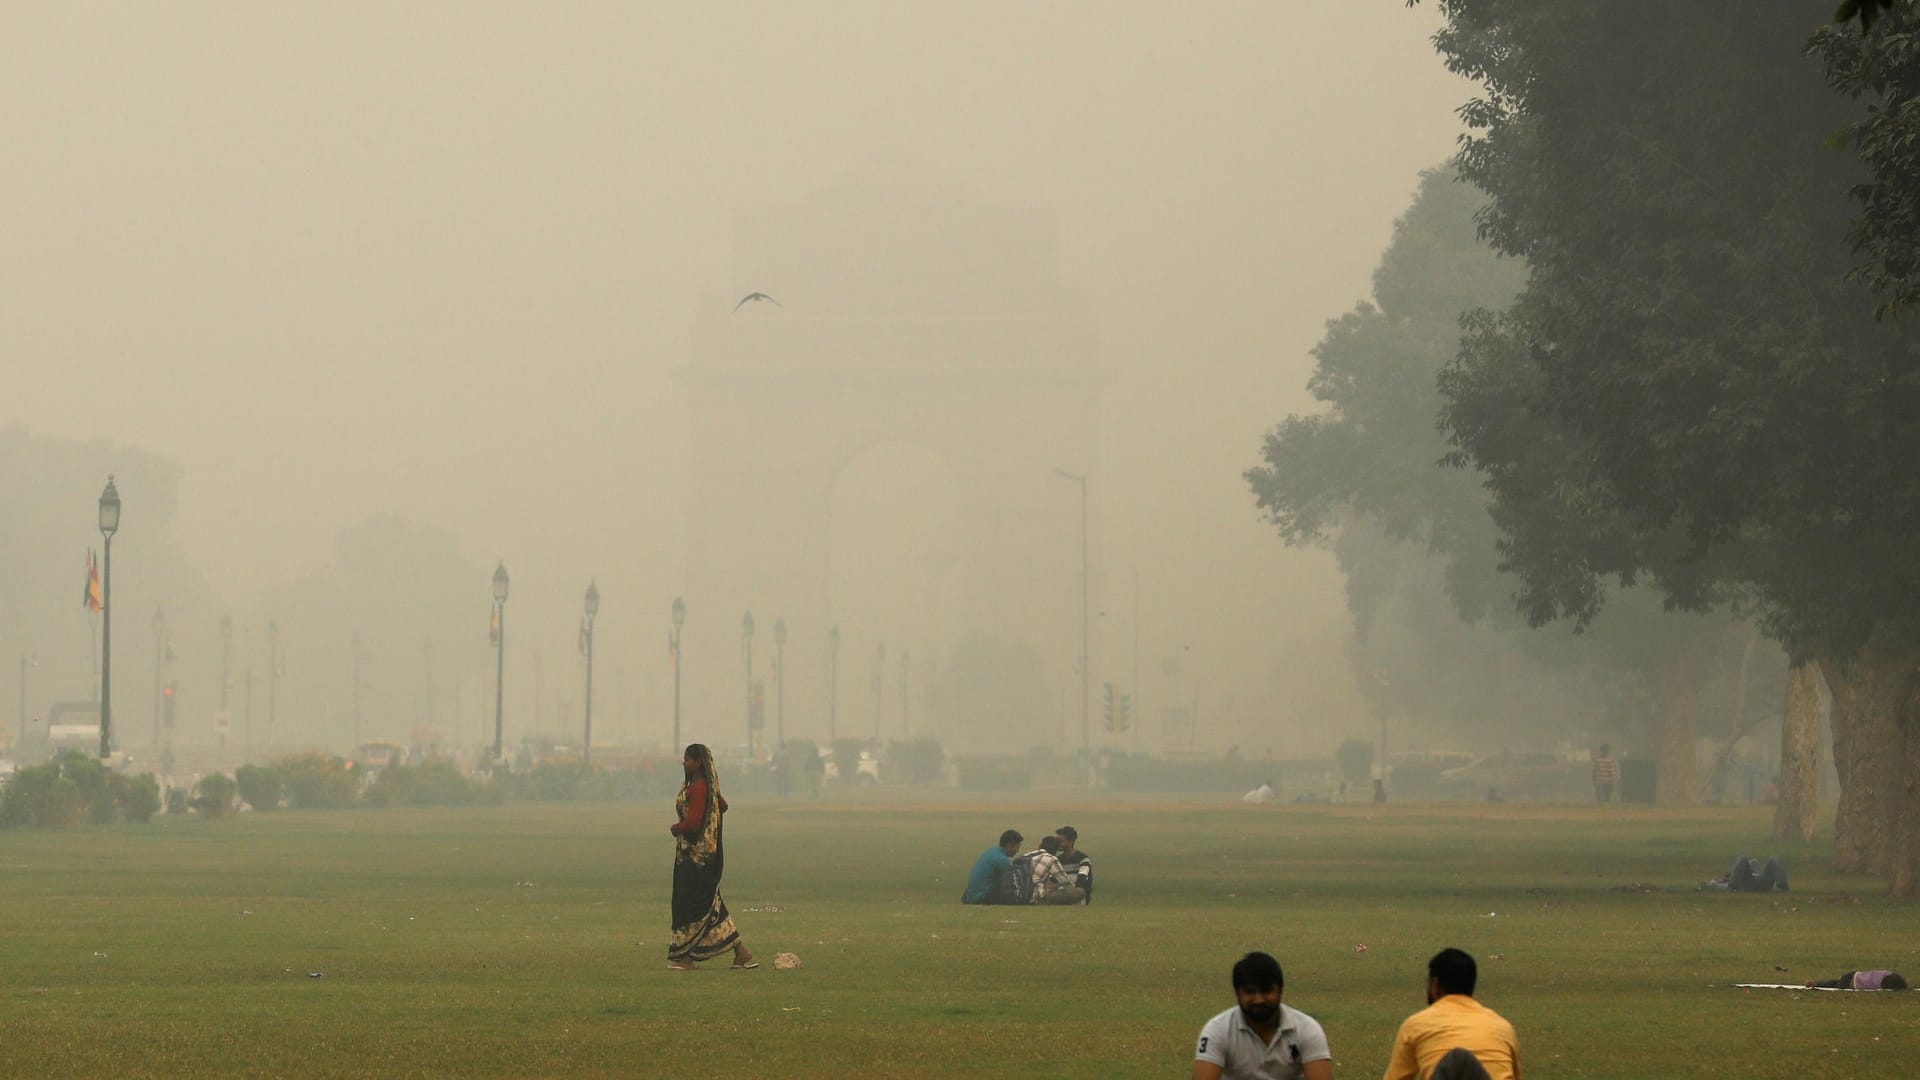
[696, 809]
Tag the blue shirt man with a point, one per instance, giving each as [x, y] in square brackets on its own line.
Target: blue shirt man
[990, 869]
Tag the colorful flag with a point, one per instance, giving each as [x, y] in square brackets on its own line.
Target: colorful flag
[493, 631]
[583, 635]
[91, 598]
[673, 652]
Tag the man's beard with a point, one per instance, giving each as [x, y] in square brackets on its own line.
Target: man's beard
[1260, 1014]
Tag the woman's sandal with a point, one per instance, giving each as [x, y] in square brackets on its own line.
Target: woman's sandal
[671, 966]
[745, 965]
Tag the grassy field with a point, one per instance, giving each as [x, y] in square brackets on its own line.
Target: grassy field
[529, 941]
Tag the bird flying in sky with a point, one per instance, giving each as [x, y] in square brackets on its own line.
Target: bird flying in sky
[752, 296]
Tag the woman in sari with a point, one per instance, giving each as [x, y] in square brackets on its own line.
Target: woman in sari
[702, 929]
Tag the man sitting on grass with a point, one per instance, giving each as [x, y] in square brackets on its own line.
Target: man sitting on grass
[1454, 1037]
[1074, 861]
[987, 883]
[1261, 1037]
[1051, 883]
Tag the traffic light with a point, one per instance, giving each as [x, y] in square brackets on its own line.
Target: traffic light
[1126, 711]
[1109, 713]
[166, 712]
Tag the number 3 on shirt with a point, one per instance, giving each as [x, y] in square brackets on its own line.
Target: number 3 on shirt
[1203, 1045]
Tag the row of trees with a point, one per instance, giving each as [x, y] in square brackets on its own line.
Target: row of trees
[1686, 399]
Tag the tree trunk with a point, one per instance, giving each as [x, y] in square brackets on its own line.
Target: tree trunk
[1799, 805]
[1679, 690]
[1904, 864]
[1870, 690]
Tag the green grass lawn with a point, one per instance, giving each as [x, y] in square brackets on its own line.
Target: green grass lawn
[530, 941]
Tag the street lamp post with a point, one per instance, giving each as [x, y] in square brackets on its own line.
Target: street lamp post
[673, 642]
[226, 672]
[1086, 736]
[833, 684]
[499, 653]
[593, 610]
[906, 711]
[109, 524]
[159, 671]
[273, 676]
[746, 644]
[780, 680]
[27, 659]
[879, 681]
[356, 692]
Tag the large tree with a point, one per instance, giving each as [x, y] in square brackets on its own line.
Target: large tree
[1690, 392]
[1436, 629]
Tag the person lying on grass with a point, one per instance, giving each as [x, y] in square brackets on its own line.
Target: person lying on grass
[1863, 980]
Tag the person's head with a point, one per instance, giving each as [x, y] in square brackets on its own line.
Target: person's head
[1050, 845]
[1069, 837]
[1894, 981]
[1605, 750]
[1010, 841]
[1450, 972]
[1258, 985]
[698, 762]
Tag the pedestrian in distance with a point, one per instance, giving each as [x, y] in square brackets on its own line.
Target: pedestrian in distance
[702, 927]
[1606, 773]
[1261, 1037]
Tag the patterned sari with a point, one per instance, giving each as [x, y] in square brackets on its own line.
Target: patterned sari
[702, 928]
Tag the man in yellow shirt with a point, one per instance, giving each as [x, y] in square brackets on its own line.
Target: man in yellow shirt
[1452, 1021]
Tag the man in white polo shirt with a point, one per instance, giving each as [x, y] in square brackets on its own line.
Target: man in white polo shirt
[1260, 1038]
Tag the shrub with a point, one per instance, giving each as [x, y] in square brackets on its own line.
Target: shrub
[260, 786]
[139, 796]
[916, 762]
[74, 788]
[213, 795]
[317, 781]
[437, 782]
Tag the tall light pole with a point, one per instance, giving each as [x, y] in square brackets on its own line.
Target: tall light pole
[673, 645]
[833, 684]
[906, 710]
[27, 659]
[273, 676]
[356, 692]
[109, 524]
[879, 681]
[780, 679]
[159, 670]
[226, 657]
[499, 653]
[1086, 736]
[593, 610]
[746, 645]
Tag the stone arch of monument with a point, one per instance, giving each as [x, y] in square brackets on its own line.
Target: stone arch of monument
[907, 316]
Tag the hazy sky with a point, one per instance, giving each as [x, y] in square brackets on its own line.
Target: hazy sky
[442, 258]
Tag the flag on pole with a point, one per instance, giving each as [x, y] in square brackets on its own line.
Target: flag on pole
[673, 652]
[583, 635]
[493, 631]
[91, 598]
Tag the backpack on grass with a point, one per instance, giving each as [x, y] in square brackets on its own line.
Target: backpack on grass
[1017, 886]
